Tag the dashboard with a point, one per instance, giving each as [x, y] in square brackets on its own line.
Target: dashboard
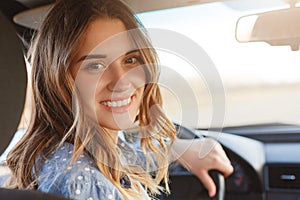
[266, 161]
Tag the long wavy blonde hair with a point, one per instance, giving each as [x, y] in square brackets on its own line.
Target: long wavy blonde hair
[53, 120]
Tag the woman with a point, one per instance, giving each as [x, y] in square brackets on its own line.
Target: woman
[94, 73]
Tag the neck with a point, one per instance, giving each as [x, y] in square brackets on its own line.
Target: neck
[114, 135]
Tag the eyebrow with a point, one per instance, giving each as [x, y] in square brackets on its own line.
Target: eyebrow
[91, 56]
[132, 51]
[99, 56]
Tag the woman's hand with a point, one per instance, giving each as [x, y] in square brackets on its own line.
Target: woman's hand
[199, 156]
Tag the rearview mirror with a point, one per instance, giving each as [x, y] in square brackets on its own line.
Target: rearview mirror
[280, 27]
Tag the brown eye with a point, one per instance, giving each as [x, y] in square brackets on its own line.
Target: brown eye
[131, 60]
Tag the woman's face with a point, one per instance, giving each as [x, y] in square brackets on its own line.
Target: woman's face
[109, 75]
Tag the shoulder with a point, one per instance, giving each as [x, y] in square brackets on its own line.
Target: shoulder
[81, 180]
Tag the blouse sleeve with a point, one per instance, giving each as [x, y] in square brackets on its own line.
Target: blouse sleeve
[81, 180]
[88, 183]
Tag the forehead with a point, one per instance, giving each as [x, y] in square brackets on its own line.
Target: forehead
[105, 36]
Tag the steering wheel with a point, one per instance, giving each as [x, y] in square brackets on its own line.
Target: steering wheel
[185, 185]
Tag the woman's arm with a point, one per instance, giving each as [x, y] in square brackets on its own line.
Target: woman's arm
[199, 156]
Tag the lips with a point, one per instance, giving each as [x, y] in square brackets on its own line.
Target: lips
[117, 103]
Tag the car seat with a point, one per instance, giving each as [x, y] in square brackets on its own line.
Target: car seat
[12, 92]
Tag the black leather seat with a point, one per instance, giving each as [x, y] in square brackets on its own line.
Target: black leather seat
[12, 93]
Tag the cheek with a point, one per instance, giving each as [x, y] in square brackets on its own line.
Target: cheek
[139, 81]
[87, 87]
[137, 77]
[142, 75]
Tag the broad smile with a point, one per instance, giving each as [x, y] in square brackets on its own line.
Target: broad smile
[119, 106]
[118, 103]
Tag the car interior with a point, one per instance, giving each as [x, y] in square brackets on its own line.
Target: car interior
[255, 115]
[13, 87]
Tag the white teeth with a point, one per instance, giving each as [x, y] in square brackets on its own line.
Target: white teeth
[115, 104]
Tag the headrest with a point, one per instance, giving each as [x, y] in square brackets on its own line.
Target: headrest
[12, 81]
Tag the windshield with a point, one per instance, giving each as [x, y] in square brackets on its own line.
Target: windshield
[261, 82]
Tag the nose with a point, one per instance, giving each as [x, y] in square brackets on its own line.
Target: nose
[117, 77]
